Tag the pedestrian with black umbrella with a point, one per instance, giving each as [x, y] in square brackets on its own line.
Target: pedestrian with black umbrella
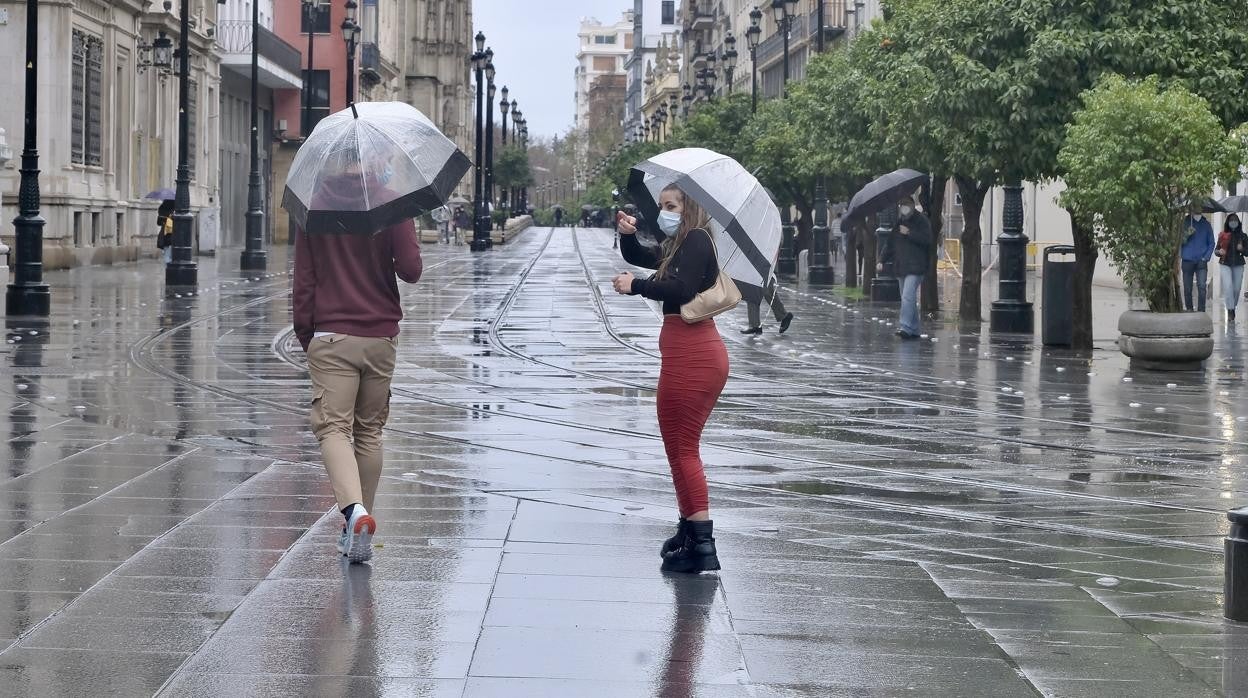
[909, 248]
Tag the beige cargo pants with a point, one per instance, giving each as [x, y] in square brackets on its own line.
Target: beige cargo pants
[350, 405]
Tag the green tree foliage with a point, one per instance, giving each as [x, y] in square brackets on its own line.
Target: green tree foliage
[511, 168]
[1135, 158]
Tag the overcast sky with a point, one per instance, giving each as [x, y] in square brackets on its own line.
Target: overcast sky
[535, 46]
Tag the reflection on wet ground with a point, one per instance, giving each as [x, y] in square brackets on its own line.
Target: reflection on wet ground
[962, 516]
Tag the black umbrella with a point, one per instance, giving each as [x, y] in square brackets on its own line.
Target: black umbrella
[1211, 206]
[884, 191]
[1234, 204]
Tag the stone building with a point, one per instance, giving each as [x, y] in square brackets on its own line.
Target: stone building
[107, 126]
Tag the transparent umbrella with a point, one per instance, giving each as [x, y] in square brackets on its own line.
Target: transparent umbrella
[369, 167]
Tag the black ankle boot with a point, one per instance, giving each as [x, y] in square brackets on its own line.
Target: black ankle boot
[675, 541]
[697, 553]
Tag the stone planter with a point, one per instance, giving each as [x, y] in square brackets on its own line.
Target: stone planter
[1166, 341]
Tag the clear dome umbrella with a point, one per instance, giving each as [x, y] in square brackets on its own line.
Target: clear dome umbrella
[369, 167]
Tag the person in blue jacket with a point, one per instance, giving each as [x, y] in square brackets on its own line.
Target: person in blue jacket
[1196, 252]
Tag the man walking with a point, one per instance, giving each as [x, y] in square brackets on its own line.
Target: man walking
[1197, 250]
[911, 245]
[755, 311]
[346, 316]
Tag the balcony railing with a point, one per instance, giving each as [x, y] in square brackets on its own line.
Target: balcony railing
[370, 57]
[234, 37]
[834, 24]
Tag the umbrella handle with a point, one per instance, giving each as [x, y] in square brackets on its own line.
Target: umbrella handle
[354, 113]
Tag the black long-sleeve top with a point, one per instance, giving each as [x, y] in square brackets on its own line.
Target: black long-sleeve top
[693, 270]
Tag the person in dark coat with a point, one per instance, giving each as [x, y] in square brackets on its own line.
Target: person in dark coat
[910, 246]
[1231, 248]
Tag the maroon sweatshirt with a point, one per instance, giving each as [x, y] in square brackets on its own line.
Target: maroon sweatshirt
[346, 283]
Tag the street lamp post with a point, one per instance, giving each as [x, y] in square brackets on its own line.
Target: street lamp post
[504, 106]
[783, 11]
[730, 59]
[479, 233]
[350, 34]
[821, 270]
[1012, 312]
[517, 118]
[489, 143]
[28, 295]
[254, 258]
[752, 36]
[309, 14]
[182, 270]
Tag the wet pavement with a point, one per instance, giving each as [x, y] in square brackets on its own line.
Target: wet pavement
[958, 516]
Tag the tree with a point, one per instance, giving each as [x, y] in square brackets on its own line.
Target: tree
[1135, 159]
[777, 151]
[511, 168]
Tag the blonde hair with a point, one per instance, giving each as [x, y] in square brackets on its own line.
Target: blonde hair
[692, 217]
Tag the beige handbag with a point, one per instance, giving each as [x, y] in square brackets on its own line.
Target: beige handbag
[720, 298]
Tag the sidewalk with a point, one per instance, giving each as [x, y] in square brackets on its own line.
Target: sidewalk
[891, 519]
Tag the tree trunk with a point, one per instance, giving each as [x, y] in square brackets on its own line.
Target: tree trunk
[851, 254]
[970, 304]
[1085, 269]
[935, 207]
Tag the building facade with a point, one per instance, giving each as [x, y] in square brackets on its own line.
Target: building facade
[655, 27]
[107, 125]
[279, 68]
[604, 49]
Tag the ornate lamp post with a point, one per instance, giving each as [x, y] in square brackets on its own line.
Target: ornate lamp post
[524, 143]
[309, 17]
[480, 233]
[489, 142]
[254, 258]
[517, 118]
[710, 74]
[351, 35]
[752, 36]
[28, 295]
[503, 107]
[730, 59]
[784, 12]
[686, 100]
[182, 270]
[821, 270]
[1012, 312]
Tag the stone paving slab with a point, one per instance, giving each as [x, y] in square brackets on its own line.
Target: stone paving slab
[893, 517]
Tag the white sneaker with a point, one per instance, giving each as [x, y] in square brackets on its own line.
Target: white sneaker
[357, 538]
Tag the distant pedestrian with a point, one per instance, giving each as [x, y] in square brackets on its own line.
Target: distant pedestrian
[754, 311]
[346, 317]
[461, 222]
[910, 246]
[558, 217]
[694, 365]
[164, 229]
[1231, 248]
[442, 217]
[1196, 252]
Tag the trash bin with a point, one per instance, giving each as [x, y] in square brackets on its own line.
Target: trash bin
[1057, 322]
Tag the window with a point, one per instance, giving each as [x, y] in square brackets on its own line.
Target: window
[669, 11]
[319, 101]
[85, 99]
[320, 20]
[604, 38]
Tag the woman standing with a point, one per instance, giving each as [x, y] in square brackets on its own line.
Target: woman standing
[1232, 244]
[694, 363]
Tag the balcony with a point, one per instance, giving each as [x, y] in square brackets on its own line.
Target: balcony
[834, 26]
[700, 19]
[370, 65]
[280, 64]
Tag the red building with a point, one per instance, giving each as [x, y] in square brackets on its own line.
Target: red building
[329, 56]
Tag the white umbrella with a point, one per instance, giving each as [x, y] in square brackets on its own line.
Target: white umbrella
[371, 166]
[744, 221]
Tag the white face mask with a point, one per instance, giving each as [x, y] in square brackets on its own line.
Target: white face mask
[1234, 225]
[906, 211]
[669, 222]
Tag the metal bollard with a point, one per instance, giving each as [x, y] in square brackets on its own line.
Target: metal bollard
[1235, 603]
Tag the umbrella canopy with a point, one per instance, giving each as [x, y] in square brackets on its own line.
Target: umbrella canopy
[458, 201]
[162, 195]
[883, 192]
[1211, 206]
[369, 167]
[1235, 204]
[744, 221]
